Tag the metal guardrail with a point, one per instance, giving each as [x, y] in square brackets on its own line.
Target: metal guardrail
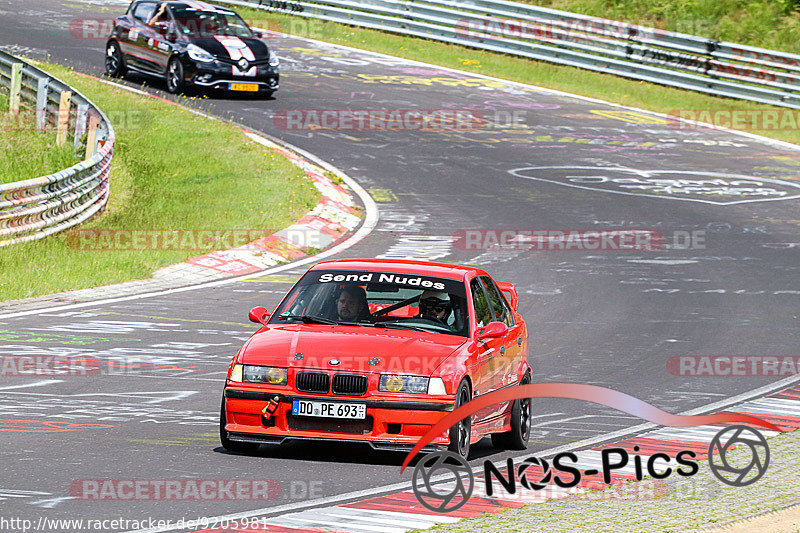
[38, 207]
[623, 49]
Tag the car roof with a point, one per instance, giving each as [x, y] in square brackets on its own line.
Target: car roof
[401, 266]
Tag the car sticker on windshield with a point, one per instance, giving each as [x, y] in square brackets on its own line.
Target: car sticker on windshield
[376, 279]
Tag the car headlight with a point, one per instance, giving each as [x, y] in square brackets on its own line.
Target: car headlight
[198, 54]
[273, 59]
[264, 374]
[436, 386]
[236, 373]
[394, 383]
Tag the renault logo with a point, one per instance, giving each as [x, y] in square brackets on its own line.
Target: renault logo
[334, 362]
[243, 64]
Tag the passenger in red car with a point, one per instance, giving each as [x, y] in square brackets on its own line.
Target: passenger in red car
[351, 306]
[434, 305]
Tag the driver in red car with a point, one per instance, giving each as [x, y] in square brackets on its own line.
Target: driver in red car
[434, 305]
[351, 306]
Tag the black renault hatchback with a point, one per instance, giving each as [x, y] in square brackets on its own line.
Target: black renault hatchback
[191, 44]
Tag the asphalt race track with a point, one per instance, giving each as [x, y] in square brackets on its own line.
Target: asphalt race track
[605, 317]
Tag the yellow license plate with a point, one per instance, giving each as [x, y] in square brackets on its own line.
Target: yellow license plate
[244, 87]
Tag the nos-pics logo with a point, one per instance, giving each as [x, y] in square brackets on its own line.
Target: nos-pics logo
[444, 481]
[535, 473]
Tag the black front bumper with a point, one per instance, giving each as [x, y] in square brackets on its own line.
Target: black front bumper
[220, 75]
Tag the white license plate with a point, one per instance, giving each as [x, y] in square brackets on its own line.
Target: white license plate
[329, 409]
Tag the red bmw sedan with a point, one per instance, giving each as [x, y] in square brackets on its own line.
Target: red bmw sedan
[377, 351]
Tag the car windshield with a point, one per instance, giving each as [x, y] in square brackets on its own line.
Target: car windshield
[207, 24]
[377, 299]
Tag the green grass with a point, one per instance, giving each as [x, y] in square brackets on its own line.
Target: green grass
[27, 153]
[773, 24]
[573, 80]
[171, 170]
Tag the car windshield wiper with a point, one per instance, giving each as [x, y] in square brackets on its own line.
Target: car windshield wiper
[395, 325]
[361, 323]
[309, 319]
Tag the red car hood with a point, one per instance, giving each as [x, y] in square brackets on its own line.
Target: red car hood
[358, 349]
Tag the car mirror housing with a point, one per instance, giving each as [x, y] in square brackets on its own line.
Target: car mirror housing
[492, 331]
[259, 315]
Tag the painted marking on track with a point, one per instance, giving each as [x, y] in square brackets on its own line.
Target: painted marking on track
[382, 195]
[201, 439]
[791, 161]
[690, 186]
[173, 318]
[45, 426]
[664, 261]
[629, 116]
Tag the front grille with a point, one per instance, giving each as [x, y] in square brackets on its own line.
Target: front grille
[255, 62]
[318, 382]
[330, 424]
[349, 384]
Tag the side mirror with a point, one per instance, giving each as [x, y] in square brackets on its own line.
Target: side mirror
[259, 34]
[492, 330]
[259, 315]
[161, 27]
[510, 292]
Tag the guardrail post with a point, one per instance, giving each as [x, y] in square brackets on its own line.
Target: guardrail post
[63, 118]
[91, 136]
[80, 124]
[41, 103]
[16, 88]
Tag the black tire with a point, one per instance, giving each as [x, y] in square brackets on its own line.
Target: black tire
[461, 433]
[115, 63]
[175, 80]
[232, 446]
[517, 438]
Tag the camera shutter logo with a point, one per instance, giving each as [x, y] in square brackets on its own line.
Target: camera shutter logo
[544, 477]
[739, 436]
[444, 496]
